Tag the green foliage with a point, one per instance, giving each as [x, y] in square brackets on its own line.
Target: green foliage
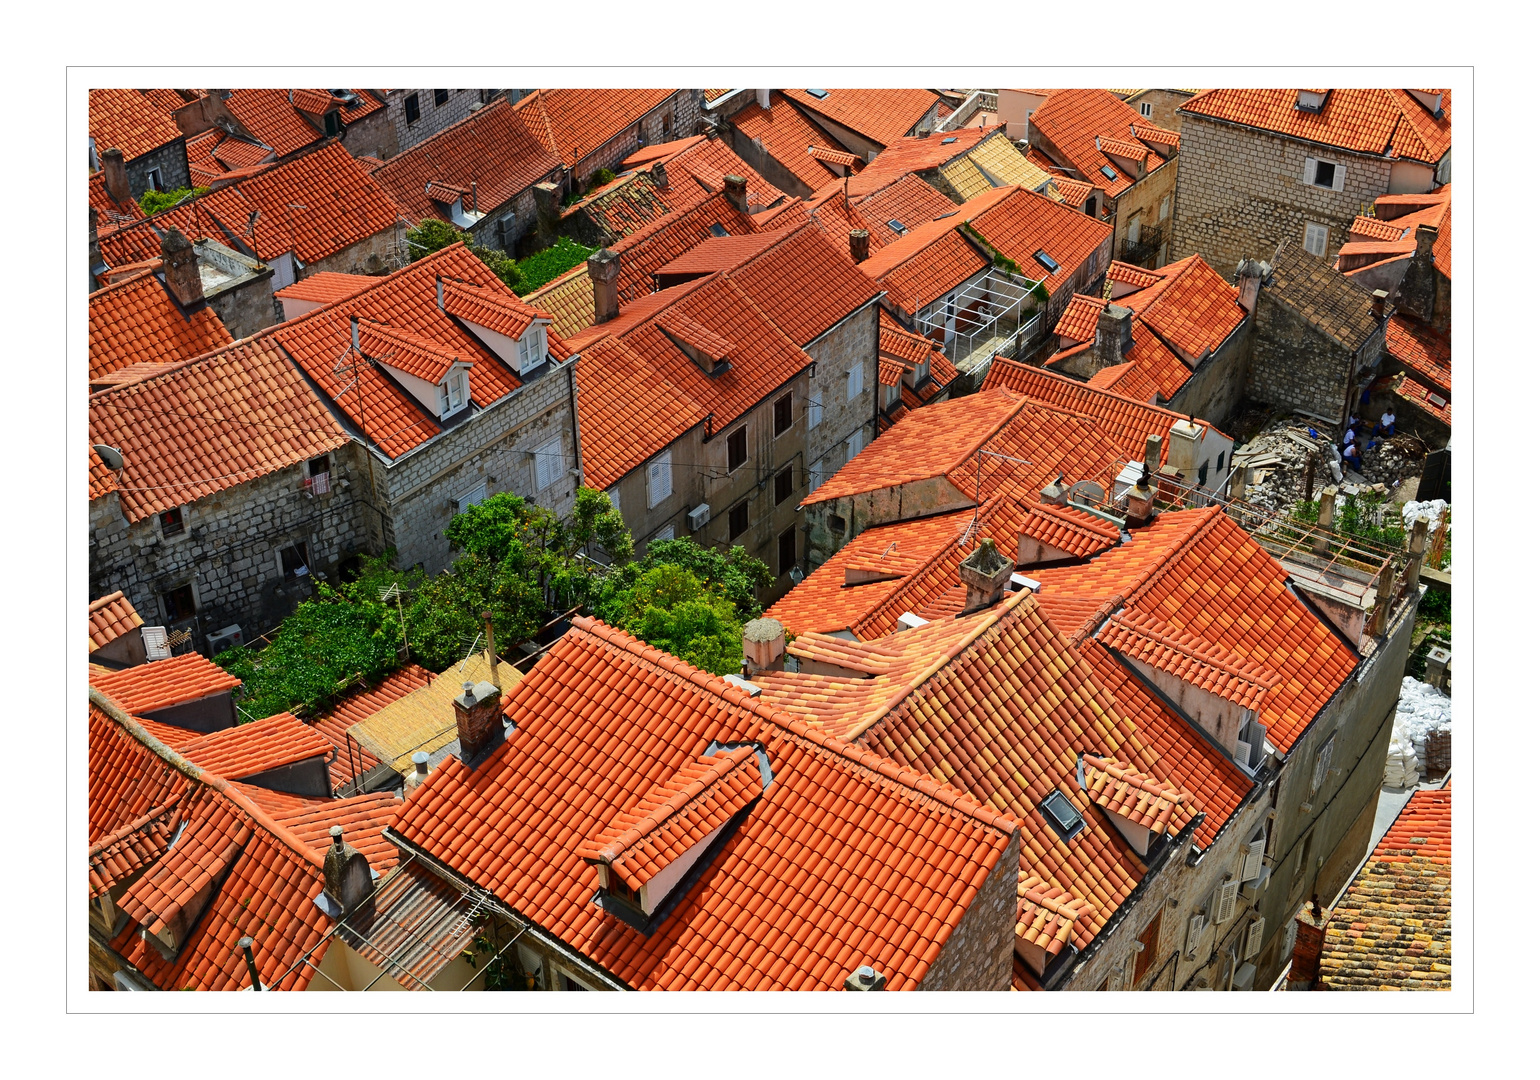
[1435, 607]
[670, 609]
[435, 235]
[732, 575]
[550, 264]
[600, 178]
[153, 202]
[1356, 517]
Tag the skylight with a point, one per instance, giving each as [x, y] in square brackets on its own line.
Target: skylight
[897, 226]
[1062, 815]
[1108, 172]
[717, 230]
[949, 139]
[1047, 262]
[819, 93]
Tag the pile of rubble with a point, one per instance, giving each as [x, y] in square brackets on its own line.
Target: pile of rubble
[1422, 711]
[1279, 455]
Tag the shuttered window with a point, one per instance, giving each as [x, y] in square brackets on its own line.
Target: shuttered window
[814, 407]
[1224, 901]
[1324, 174]
[1315, 238]
[550, 463]
[1322, 765]
[1253, 939]
[1253, 864]
[660, 478]
[854, 381]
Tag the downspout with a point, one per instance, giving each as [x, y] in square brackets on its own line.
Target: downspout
[577, 440]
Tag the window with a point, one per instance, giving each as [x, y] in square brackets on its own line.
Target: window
[1108, 172]
[294, 561]
[819, 93]
[171, 523]
[321, 465]
[782, 413]
[1253, 939]
[853, 446]
[783, 485]
[614, 494]
[452, 393]
[1219, 467]
[737, 447]
[836, 525]
[665, 533]
[890, 395]
[1322, 765]
[1195, 927]
[738, 520]
[550, 463]
[1061, 815]
[814, 407]
[660, 478]
[1253, 864]
[1150, 940]
[897, 226]
[1133, 229]
[716, 229]
[413, 112]
[440, 97]
[333, 121]
[471, 498]
[1203, 475]
[1224, 900]
[1046, 261]
[178, 603]
[788, 550]
[1146, 109]
[153, 179]
[816, 476]
[855, 379]
[668, 123]
[1165, 208]
[1324, 174]
[1315, 238]
[618, 887]
[531, 349]
[1304, 856]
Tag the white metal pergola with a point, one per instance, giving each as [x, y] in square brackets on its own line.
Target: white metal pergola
[983, 318]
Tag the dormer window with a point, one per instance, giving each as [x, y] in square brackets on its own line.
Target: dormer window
[1311, 100]
[453, 393]
[333, 123]
[532, 349]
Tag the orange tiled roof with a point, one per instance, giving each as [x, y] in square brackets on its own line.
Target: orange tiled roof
[112, 616]
[326, 286]
[1072, 193]
[883, 116]
[912, 154]
[908, 200]
[1087, 126]
[273, 117]
[786, 135]
[121, 854]
[351, 759]
[1078, 323]
[160, 684]
[1430, 400]
[493, 147]
[213, 155]
[1390, 123]
[213, 423]
[846, 859]
[1072, 531]
[129, 121]
[1192, 308]
[706, 160]
[1423, 352]
[833, 157]
[111, 212]
[1046, 914]
[248, 749]
[363, 819]
[924, 264]
[1119, 788]
[573, 123]
[1208, 667]
[136, 320]
[1025, 222]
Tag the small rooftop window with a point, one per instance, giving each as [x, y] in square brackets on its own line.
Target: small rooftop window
[1108, 172]
[897, 226]
[1047, 262]
[819, 93]
[949, 139]
[717, 229]
[1061, 814]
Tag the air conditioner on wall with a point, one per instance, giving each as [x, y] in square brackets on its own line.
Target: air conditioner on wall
[699, 516]
[228, 638]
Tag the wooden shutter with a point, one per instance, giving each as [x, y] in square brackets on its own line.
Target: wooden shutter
[1253, 864]
[1195, 927]
[1253, 939]
[549, 461]
[1310, 171]
[660, 478]
[814, 407]
[853, 382]
[1322, 765]
[1150, 938]
[1224, 900]
[1338, 177]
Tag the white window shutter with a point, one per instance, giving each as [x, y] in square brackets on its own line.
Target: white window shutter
[549, 462]
[614, 494]
[660, 478]
[1253, 939]
[814, 408]
[1310, 171]
[853, 445]
[1253, 865]
[1322, 765]
[1195, 927]
[1338, 177]
[1224, 901]
[853, 382]
[155, 644]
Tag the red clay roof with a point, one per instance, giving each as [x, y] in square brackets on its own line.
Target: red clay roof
[273, 117]
[112, 616]
[1074, 120]
[706, 160]
[111, 212]
[363, 819]
[136, 320]
[912, 154]
[1208, 667]
[1119, 788]
[325, 287]
[209, 425]
[933, 258]
[844, 860]
[129, 121]
[786, 135]
[147, 688]
[1389, 123]
[1071, 531]
[247, 749]
[1025, 222]
[352, 759]
[883, 116]
[212, 156]
[493, 147]
[1078, 322]
[1430, 400]
[573, 123]
[1420, 350]
[1192, 308]
[1046, 914]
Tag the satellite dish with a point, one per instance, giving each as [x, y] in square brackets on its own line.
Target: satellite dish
[1088, 492]
[109, 455]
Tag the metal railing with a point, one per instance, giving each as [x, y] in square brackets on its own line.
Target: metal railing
[1146, 249]
[976, 102]
[991, 316]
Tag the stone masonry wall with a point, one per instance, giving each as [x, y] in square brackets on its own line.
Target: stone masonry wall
[675, 118]
[375, 255]
[1163, 105]
[373, 136]
[1295, 366]
[170, 159]
[978, 955]
[1144, 199]
[432, 119]
[228, 551]
[419, 492]
[1242, 191]
[850, 343]
[1219, 381]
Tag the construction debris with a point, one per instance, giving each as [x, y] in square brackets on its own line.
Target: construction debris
[1279, 455]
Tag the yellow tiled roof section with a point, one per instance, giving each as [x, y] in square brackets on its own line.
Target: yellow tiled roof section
[425, 718]
[963, 175]
[569, 300]
[1006, 164]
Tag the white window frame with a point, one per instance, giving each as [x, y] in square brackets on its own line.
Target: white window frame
[154, 179]
[1133, 229]
[532, 348]
[1315, 228]
[814, 408]
[660, 478]
[1165, 208]
[854, 445]
[1322, 765]
[614, 494]
[475, 495]
[891, 394]
[665, 533]
[1195, 927]
[1251, 868]
[550, 463]
[855, 382]
[1146, 109]
[1338, 176]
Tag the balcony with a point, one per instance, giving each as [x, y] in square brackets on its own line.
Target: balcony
[994, 315]
[1145, 251]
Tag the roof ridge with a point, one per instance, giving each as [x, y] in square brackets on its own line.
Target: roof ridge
[718, 768]
[1208, 652]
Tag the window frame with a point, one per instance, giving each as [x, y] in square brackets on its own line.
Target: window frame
[784, 565]
[532, 344]
[737, 439]
[412, 108]
[814, 408]
[787, 476]
[301, 558]
[1313, 172]
[855, 382]
[470, 498]
[739, 513]
[660, 466]
[544, 453]
[438, 101]
[1146, 109]
[154, 179]
[192, 602]
[180, 523]
[331, 122]
[784, 400]
[855, 444]
[1065, 833]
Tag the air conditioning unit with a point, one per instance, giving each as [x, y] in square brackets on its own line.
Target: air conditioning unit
[699, 516]
[228, 638]
[156, 645]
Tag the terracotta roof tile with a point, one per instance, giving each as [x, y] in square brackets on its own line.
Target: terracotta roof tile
[111, 212]
[1078, 323]
[706, 160]
[363, 819]
[1076, 121]
[1119, 788]
[325, 287]
[1422, 351]
[129, 121]
[273, 117]
[1433, 401]
[1027, 222]
[1380, 122]
[247, 749]
[1333, 303]
[573, 123]
[1071, 531]
[1208, 667]
[1192, 308]
[136, 320]
[147, 688]
[121, 854]
[112, 616]
[352, 760]
[883, 116]
[786, 134]
[1046, 914]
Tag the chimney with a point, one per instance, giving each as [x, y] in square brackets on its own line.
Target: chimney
[1141, 500]
[1309, 935]
[764, 647]
[659, 174]
[547, 210]
[96, 249]
[251, 962]
[474, 206]
[181, 263]
[737, 191]
[1416, 545]
[1249, 276]
[1182, 447]
[1323, 520]
[1384, 596]
[479, 721]
[859, 249]
[217, 112]
[1056, 494]
[604, 269]
[1114, 335]
[486, 620]
[1378, 304]
[115, 176]
[353, 326]
[348, 880]
[923, 132]
[1152, 454]
[866, 978]
[1425, 235]
[419, 774]
[763, 98]
[985, 573]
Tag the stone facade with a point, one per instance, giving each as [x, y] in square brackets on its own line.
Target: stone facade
[1219, 381]
[1242, 193]
[674, 118]
[853, 343]
[1153, 193]
[978, 955]
[1163, 106]
[230, 549]
[374, 255]
[511, 225]
[171, 162]
[373, 135]
[419, 492]
[1296, 366]
[431, 118]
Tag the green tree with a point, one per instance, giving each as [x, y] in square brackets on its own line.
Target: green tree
[550, 264]
[732, 575]
[153, 202]
[670, 609]
[434, 235]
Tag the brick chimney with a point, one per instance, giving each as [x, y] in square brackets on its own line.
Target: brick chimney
[348, 880]
[1152, 454]
[737, 191]
[1141, 500]
[764, 647]
[1249, 276]
[1309, 936]
[1377, 305]
[115, 176]
[859, 244]
[181, 262]
[984, 574]
[604, 270]
[479, 721]
[1114, 335]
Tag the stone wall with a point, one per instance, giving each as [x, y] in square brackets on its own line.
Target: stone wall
[170, 159]
[978, 955]
[1144, 199]
[851, 343]
[1242, 192]
[675, 118]
[419, 492]
[688, 454]
[506, 227]
[374, 255]
[1296, 366]
[1219, 381]
[372, 136]
[432, 118]
[1163, 105]
[229, 548]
